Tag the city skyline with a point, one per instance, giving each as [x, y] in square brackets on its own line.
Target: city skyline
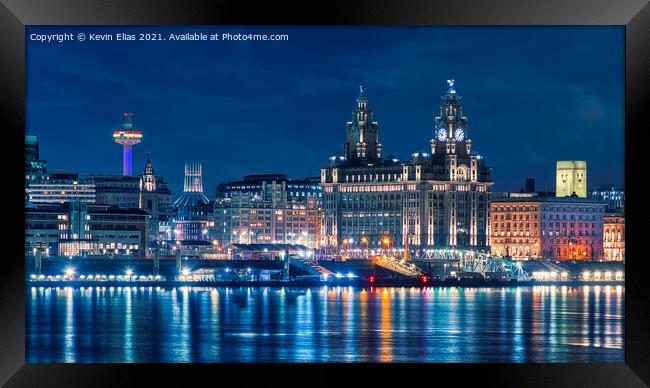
[294, 132]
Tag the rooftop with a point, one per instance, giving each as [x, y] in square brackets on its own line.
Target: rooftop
[571, 199]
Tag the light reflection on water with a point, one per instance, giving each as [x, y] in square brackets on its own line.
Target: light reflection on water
[325, 324]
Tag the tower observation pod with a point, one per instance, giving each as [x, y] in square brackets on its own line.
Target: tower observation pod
[127, 137]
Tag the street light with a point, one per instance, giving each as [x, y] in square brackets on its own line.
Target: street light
[386, 241]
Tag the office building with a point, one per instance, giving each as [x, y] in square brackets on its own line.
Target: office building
[614, 196]
[294, 189]
[60, 187]
[536, 227]
[79, 229]
[267, 217]
[437, 199]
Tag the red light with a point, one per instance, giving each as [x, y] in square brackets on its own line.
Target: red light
[372, 279]
[425, 279]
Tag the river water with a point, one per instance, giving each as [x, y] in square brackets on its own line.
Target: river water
[325, 324]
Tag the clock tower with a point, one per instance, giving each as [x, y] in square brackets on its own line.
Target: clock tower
[450, 131]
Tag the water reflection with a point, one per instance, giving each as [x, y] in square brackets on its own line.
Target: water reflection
[326, 324]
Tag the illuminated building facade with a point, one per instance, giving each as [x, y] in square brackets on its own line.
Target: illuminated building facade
[569, 228]
[60, 187]
[614, 196]
[614, 237]
[78, 229]
[193, 212]
[267, 218]
[295, 189]
[437, 199]
[571, 178]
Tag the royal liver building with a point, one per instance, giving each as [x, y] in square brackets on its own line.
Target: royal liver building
[437, 199]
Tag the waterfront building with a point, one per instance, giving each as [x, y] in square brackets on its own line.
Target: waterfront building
[437, 199]
[294, 189]
[193, 211]
[571, 178]
[614, 237]
[265, 251]
[534, 227]
[614, 196]
[269, 217]
[60, 187]
[77, 228]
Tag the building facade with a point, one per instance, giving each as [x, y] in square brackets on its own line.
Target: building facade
[268, 217]
[614, 237]
[437, 199]
[252, 185]
[535, 227]
[571, 178]
[60, 187]
[77, 228]
[614, 196]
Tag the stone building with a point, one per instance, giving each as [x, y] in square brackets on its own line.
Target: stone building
[568, 228]
[614, 237]
[267, 216]
[436, 199]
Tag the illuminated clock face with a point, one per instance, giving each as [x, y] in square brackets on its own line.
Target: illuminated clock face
[442, 134]
[459, 134]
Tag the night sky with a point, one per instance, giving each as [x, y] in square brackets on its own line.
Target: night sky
[532, 96]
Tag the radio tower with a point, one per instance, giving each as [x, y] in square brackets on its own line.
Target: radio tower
[128, 138]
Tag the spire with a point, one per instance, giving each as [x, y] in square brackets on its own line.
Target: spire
[451, 86]
[148, 166]
[362, 93]
[362, 142]
[148, 180]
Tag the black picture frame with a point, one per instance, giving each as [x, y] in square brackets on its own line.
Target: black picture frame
[15, 15]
